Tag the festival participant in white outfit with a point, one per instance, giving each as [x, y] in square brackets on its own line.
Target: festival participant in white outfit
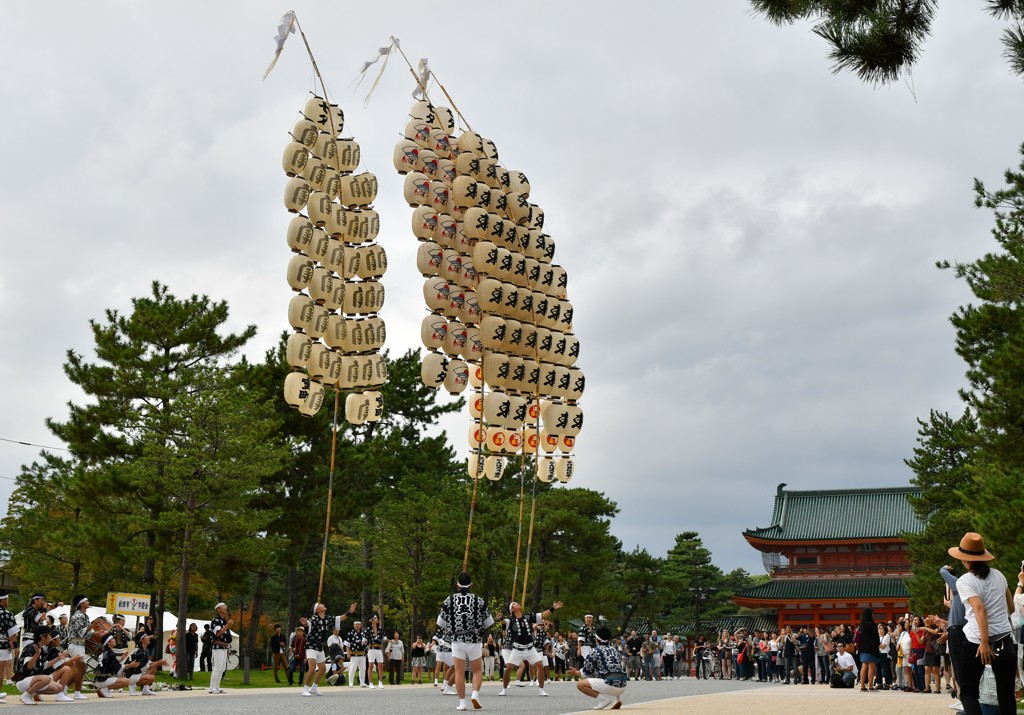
[355, 649]
[444, 662]
[520, 627]
[319, 627]
[464, 615]
[78, 631]
[9, 629]
[586, 637]
[139, 670]
[602, 674]
[34, 678]
[220, 628]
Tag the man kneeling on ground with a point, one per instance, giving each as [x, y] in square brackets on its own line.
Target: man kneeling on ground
[845, 665]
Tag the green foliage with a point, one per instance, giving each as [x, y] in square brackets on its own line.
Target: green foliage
[881, 40]
[699, 588]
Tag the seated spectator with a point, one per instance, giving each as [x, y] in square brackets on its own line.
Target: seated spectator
[845, 665]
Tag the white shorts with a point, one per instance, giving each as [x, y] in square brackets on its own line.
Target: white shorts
[317, 655]
[76, 649]
[445, 658]
[374, 655]
[584, 651]
[530, 655]
[506, 653]
[467, 651]
[104, 682]
[5, 655]
[25, 682]
[603, 688]
[133, 679]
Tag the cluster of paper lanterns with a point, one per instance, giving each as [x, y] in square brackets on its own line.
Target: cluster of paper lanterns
[500, 320]
[335, 269]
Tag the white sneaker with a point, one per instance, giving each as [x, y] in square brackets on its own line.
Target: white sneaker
[306, 693]
[147, 691]
[63, 698]
[372, 686]
[380, 685]
[501, 692]
[27, 699]
[132, 690]
[475, 699]
[957, 707]
[541, 693]
[105, 692]
[315, 689]
[462, 705]
[80, 696]
[603, 701]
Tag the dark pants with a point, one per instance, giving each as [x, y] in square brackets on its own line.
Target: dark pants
[395, 671]
[953, 646]
[807, 661]
[668, 665]
[882, 673]
[1004, 665]
[297, 665]
[206, 656]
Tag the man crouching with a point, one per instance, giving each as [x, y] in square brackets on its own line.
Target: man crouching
[602, 674]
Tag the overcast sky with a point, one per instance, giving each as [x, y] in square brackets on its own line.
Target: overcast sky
[750, 240]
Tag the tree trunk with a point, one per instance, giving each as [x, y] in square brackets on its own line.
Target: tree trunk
[366, 601]
[293, 588]
[254, 616]
[181, 669]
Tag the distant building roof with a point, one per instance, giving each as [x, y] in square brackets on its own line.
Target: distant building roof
[827, 589]
[726, 623]
[840, 515]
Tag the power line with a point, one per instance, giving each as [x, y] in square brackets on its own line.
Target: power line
[30, 444]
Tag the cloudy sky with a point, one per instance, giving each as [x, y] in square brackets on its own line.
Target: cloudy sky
[750, 240]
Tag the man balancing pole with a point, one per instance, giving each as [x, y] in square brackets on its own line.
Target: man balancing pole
[464, 615]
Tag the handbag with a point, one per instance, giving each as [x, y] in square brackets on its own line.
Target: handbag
[912, 658]
[742, 657]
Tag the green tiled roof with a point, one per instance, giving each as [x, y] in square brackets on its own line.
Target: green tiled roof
[840, 514]
[825, 589]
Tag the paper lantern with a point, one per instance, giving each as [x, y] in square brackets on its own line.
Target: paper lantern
[374, 333]
[319, 245]
[494, 468]
[470, 278]
[475, 402]
[429, 165]
[467, 164]
[556, 347]
[484, 195]
[477, 224]
[444, 119]
[375, 370]
[470, 307]
[357, 408]
[518, 413]
[337, 117]
[576, 384]
[433, 369]
[496, 439]
[486, 257]
[475, 465]
[326, 150]
[565, 321]
[336, 299]
[332, 183]
[518, 183]
[562, 380]
[532, 272]
[349, 155]
[334, 259]
[497, 368]
[474, 349]
[353, 263]
[417, 189]
[406, 156]
[445, 231]
[363, 297]
[424, 223]
[505, 265]
[296, 194]
[555, 416]
[572, 350]
[339, 333]
[529, 348]
[305, 132]
[518, 208]
[376, 406]
[471, 141]
[357, 226]
[477, 435]
[455, 340]
[358, 190]
[298, 348]
[567, 443]
[532, 375]
[295, 158]
[530, 442]
[462, 242]
[300, 272]
[334, 369]
[321, 286]
[554, 316]
[533, 406]
[541, 303]
[490, 292]
[436, 294]
[494, 332]
[463, 192]
[440, 142]
[438, 195]
[498, 409]
[300, 312]
[456, 300]
[514, 440]
[350, 372]
[318, 325]
[513, 335]
[560, 286]
[549, 441]
[316, 109]
[457, 378]
[300, 392]
[517, 374]
[429, 259]
[319, 360]
[476, 376]
[518, 272]
[510, 300]
[419, 132]
[546, 470]
[446, 171]
[373, 262]
[300, 233]
[423, 111]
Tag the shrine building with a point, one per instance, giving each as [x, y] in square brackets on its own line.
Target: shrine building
[833, 553]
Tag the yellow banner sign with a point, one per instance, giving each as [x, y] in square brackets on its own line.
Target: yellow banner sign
[128, 604]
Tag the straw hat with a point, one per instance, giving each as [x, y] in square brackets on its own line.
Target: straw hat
[971, 548]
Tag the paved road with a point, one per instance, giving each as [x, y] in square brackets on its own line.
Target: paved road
[406, 699]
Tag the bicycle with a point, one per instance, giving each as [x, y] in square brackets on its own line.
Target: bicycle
[709, 665]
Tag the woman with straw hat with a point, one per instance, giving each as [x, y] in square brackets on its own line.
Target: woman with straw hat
[988, 640]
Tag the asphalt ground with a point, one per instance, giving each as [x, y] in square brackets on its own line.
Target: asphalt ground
[687, 695]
